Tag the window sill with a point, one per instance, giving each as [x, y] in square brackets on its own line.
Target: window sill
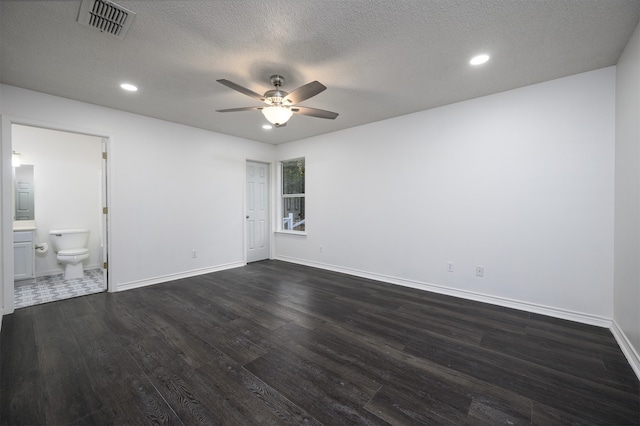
[299, 233]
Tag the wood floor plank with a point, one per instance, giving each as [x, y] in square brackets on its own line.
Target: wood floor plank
[336, 367]
[399, 407]
[247, 397]
[21, 390]
[124, 389]
[67, 390]
[579, 340]
[264, 316]
[472, 316]
[119, 312]
[540, 383]
[484, 411]
[215, 393]
[227, 340]
[280, 343]
[557, 356]
[172, 379]
[543, 415]
[399, 323]
[380, 327]
[325, 395]
[413, 376]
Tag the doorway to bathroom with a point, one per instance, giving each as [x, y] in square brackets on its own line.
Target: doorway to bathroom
[66, 171]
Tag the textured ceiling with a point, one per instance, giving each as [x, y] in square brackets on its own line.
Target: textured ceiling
[378, 58]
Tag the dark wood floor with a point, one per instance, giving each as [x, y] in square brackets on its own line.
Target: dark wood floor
[276, 343]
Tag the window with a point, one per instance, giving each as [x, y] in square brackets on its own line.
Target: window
[293, 218]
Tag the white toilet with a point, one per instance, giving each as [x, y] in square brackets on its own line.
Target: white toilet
[71, 247]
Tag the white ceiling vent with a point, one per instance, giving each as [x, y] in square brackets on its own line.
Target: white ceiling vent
[106, 16]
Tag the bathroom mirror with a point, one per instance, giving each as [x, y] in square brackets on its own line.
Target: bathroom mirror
[24, 187]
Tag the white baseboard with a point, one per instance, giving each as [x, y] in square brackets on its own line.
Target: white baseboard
[40, 274]
[171, 277]
[59, 271]
[627, 348]
[464, 294]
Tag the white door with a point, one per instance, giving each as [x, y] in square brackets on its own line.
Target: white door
[257, 211]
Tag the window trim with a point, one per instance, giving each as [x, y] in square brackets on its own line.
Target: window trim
[282, 197]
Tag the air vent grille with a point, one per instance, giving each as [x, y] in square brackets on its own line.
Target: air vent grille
[106, 16]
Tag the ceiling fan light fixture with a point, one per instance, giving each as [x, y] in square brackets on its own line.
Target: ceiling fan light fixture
[277, 114]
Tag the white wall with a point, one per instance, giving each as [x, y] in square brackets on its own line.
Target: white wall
[68, 187]
[519, 182]
[627, 200]
[172, 188]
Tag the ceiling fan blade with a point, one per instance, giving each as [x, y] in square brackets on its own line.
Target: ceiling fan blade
[234, 86]
[304, 92]
[239, 109]
[314, 112]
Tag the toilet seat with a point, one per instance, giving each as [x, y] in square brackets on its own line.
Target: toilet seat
[73, 252]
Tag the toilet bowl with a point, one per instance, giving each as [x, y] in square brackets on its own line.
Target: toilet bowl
[71, 248]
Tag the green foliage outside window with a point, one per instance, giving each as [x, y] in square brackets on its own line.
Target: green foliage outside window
[293, 177]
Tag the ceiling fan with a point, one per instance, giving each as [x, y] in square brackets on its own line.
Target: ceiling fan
[280, 104]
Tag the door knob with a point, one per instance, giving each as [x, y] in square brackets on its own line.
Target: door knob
[247, 216]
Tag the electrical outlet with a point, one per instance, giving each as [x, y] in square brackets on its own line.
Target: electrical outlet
[321, 249]
[449, 266]
[479, 271]
[194, 254]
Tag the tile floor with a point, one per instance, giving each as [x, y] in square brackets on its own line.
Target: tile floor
[54, 287]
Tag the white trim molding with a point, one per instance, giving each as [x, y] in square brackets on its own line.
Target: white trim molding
[627, 348]
[166, 278]
[464, 294]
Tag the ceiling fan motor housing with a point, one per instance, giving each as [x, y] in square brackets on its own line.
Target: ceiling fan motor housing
[275, 96]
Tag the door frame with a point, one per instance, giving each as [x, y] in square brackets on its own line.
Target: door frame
[6, 203]
[270, 195]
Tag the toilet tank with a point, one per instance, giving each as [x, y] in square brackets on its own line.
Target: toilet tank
[67, 239]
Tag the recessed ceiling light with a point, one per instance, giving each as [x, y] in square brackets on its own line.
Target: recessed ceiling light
[129, 87]
[267, 126]
[479, 60]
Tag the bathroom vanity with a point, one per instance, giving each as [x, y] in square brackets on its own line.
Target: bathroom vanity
[24, 260]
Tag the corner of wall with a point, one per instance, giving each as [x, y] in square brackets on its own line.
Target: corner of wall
[626, 290]
[627, 348]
